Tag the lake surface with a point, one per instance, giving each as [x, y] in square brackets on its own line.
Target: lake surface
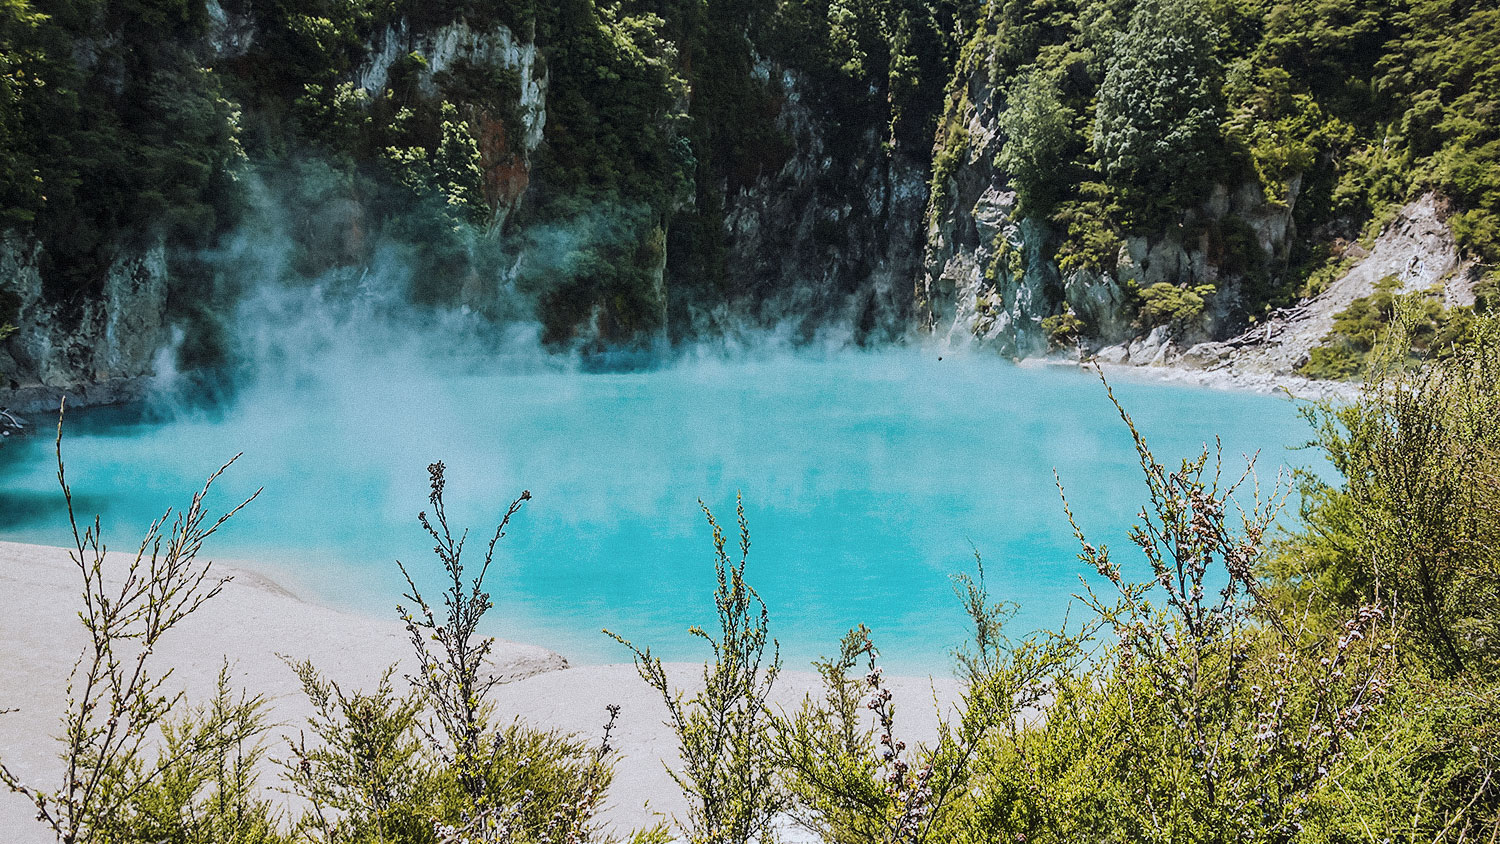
[869, 478]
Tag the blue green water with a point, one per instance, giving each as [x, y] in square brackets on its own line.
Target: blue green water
[868, 479]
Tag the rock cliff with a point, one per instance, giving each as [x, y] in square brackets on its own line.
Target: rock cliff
[832, 238]
[1417, 248]
[990, 275]
[94, 349]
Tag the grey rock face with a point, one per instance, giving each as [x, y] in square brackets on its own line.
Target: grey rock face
[988, 277]
[498, 47]
[1417, 248]
[94, 350]
[985, 276]
[229, 35]
[1206, 356]
[833, 236]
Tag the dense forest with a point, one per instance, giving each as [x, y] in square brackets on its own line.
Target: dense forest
[619, 171]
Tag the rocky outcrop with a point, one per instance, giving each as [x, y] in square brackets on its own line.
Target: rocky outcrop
[984, 276]
[1416, 247]
[988, 274]
[833, 236]
[444, 47]
[96, 350]
[230, 33]
[506, 140]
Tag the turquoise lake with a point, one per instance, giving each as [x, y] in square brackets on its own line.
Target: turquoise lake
[869, 479]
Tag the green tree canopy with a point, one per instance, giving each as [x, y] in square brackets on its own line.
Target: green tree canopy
[1157, 123]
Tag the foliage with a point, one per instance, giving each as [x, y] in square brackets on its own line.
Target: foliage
[1091, 241]
[209, 790]
[108, 145]
[952, 150]
[850, 785]
[1279, 129]
[724, 730]
[1415, 517]
[1063, 330]
[1164, 303]
[365, 779]
[1411, 516]
[113, 785]
[1425, 329]
[1447, 72]
[1130, 118]
[430, 765]
[1040, 141]
[1189, 707]
[1156, 126]
[449, 675]
[20, 183]
[1232, 717]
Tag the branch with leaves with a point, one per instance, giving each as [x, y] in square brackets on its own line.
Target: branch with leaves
[724, 730]
[117, 698]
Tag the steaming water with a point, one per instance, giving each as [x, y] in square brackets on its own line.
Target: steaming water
[868, 480]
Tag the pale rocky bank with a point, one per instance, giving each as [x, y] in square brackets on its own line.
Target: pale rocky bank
[1417, 248]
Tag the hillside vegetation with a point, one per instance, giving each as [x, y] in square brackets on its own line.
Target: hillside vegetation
[606, 190]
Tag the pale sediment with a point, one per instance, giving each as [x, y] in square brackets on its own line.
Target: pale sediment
[1229, 378]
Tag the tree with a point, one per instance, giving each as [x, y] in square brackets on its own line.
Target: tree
[1156, 126]
[458, 169]
[1039, 139]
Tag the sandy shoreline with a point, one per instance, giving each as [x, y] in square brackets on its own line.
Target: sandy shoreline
[256, 618]
[1225, 378]
[1235, 380]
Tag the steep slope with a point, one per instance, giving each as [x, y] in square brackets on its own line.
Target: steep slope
[1417, 249]
[1137, 178]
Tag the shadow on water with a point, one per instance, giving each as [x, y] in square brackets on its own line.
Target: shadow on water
[21, 510]
[26, 509]
[36, 508]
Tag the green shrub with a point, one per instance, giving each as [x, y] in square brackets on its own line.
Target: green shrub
[1333, 363]
[136, 765]
[433, 764]
[365, 778]
[1091, 239]
[1164, 303]
[1426, 330]
[1412, 516]
[1063, 330]
[1417, 510]
[1225, 719]
[952, 150]
[208, 790]
[724, 731]
[854, 781]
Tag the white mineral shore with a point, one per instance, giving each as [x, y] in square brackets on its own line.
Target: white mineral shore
[255, 619]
